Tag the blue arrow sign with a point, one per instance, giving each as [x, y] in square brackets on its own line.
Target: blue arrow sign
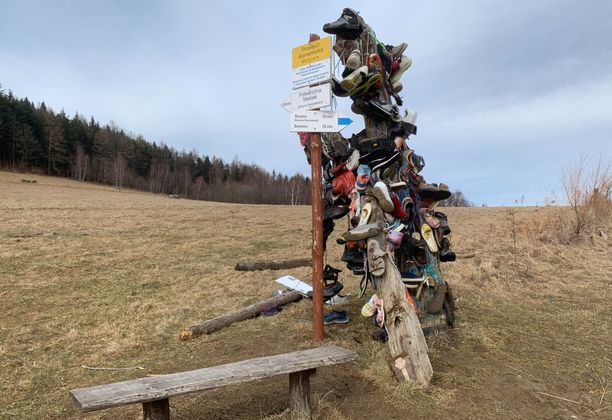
[344, 121]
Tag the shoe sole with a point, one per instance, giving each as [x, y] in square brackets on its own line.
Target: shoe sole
[345, 321]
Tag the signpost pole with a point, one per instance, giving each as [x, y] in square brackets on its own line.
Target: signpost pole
[318, 332]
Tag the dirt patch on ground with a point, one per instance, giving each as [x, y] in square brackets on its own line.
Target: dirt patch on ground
[98, 277]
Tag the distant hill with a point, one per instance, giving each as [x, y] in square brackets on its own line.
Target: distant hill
[35, 138]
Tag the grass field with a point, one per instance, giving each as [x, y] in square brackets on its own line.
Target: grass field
[92, 276]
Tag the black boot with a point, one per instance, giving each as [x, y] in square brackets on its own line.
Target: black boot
[446, 254]
[348, 26]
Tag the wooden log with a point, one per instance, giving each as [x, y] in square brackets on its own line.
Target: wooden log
[299, 394]
[407, 344]
[229, 318]
[273, 264]
[156, 410]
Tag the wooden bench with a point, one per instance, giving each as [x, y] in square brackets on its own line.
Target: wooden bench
[154, 392]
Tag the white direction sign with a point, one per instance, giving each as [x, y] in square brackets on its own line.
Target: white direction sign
[308, 98]
[310, 74]
[318, 121]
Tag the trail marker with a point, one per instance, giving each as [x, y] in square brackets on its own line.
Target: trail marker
[311, 63]
[307, 98]
[318, 121]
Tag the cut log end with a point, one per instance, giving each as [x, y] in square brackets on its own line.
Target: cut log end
[186, 334]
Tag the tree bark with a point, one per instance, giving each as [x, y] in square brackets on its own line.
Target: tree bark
[229, 318]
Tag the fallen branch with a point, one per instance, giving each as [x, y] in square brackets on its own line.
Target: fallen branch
[560, 398]
[273, 264]
[112, 368]
[471, 255]
[229, 318]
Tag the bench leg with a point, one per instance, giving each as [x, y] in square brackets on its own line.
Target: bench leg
[299, 394]
[156, 410]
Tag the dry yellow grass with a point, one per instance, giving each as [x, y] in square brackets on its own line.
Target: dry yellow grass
[98, 277]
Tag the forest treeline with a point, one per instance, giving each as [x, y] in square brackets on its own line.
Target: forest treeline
[35, 138]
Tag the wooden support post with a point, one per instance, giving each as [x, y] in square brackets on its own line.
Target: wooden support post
[318, 331]
[299, 394]
[156, 410]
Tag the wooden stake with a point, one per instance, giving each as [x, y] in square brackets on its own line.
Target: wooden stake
[156, 410]
[299, 394]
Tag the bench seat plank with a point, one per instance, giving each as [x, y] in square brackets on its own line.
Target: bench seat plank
[165, 386]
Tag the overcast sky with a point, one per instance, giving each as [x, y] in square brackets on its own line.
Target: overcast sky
[507, 93]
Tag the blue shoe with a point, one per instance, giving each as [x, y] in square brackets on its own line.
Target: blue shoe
[336, 317]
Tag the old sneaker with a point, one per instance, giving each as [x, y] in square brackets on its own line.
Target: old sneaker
[354, 60]
[404, 64]
[381, 192]
[350, 82]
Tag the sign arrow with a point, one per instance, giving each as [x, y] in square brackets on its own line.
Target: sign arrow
[318, 121]
[344, 121]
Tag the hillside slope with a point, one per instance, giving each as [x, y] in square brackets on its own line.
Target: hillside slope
[92, 276]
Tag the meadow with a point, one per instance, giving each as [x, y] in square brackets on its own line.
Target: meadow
[95, 277]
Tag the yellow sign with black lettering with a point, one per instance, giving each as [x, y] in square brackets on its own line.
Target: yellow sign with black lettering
[311, 52]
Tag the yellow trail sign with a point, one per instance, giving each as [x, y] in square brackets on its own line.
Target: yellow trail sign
[311, 52]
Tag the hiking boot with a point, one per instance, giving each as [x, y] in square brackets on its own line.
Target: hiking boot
[354, 60]
[331, 289]
[402, 65]
[330, 273]
[446, 255]
[350, 82]
[381, 192]
[348, 26]
[336, 317]
[444, 227]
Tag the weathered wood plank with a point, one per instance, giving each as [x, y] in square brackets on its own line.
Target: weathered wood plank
[273, 264]
[299, 394]
[156, 410]
[165, 386]
[229, 318]
[407, 345]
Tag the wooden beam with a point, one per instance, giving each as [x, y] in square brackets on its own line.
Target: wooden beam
[273, 264]
[407, 345]
[229, 318]
[156, 410]
[299, 394]
[161, 387]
